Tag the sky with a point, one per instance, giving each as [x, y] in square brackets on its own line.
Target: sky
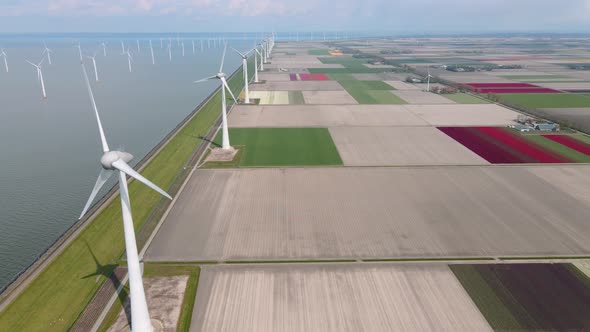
[401, 16]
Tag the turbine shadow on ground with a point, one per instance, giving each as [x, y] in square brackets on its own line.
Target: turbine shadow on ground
[108, 271]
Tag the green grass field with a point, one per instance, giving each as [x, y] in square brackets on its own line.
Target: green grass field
[319, 52]
[547, 100]
[341, 77]
[371, 92]
[59, 294]
[284, 146]
[296, 98]
[463, 98]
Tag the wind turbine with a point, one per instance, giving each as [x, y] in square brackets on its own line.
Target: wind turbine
[182, 44]
[80, 51]
[138, 49]
[221, 76]
[93, 58]
[261, 54]
[152, 52]
[122, 47]
[161, 43]
[256, 53]
[3, 54]
[201, 46]
[170, 51]
[104, 49]
[40, 76]
[244, 57]
[47, 51]
[428, 80]
[129, 59]
[193, 47]
[118, 161]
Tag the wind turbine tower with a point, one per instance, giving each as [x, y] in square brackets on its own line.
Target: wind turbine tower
[117, 161]
[244, 57]
[40, 76]
[3, 55]
[224, 86]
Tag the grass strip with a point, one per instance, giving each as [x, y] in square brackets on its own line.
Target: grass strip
[463, 98]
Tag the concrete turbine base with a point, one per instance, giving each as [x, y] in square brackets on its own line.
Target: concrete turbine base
[157, 326]
[219, 154]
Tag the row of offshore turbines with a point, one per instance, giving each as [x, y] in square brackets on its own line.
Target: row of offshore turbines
[118, 161]
[127, 51]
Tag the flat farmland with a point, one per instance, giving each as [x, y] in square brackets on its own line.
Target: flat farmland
[283, 146]
[463, 98]
[328, 297]
[323, 116]
[328, 98]
[422, 97]
[399, 85]
[550, 100]
[372, 212]
[387, 146]
[464, 115]
[298, 86]
[529, 297]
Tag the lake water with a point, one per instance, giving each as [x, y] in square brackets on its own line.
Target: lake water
[50, 149]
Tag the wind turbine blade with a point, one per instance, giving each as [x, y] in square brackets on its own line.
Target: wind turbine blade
[222, 59]
[32, 64]
[229, 90]
[242, 55]
[103, 139]
[103, 176]
[205, 79]
[123, 167]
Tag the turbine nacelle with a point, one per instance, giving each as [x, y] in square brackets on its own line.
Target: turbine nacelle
[108, 158]
[220, 75]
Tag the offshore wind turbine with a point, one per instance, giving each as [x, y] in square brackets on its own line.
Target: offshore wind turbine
[138, 49]
[129, 59]
[193, 47]
[40, 76]
[182, 45]
[104, 48]
[122, 47]
[244, 57]
[80, 51]
[3, 54]
[47, 51]
[93, 58]
[221, 76]
[152, 52]
[112, 161]
[170, 51]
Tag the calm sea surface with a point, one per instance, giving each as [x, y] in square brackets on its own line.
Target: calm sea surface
[50, 149]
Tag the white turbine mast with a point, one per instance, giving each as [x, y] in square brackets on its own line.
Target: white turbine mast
[104, 49]
[193, 46]
[256, 53]
[221, 76]
[428, 80]
[40, 76]
[47, 51]
[152, 53]
[122, 47]
[170, 51]
[3, 55]
[182, 45]
[138, 49]
[112, 161]
[261, 54]
[129, 59]
[93, 58]
[244, 57]
[80, 51]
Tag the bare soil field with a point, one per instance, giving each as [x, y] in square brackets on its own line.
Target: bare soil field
[372, 212]
[328, 297]
[386, 146]
[323, 116]
[298, 86]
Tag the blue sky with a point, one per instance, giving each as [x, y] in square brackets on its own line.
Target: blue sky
[404, 16]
